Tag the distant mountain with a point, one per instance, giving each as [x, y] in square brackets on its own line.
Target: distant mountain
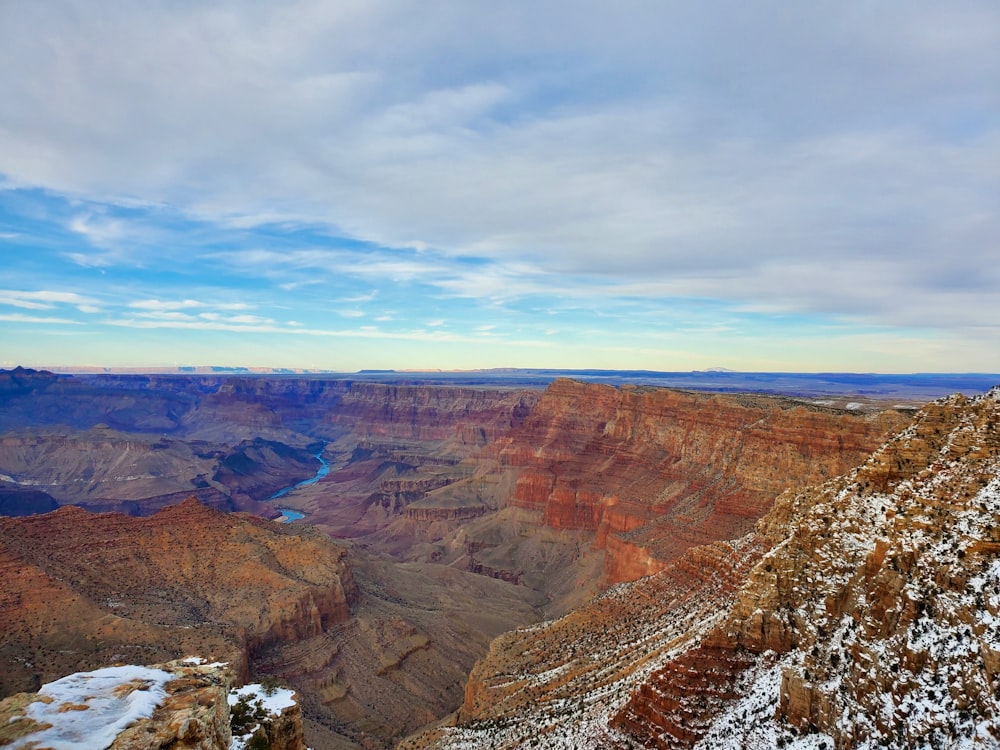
[916, 387]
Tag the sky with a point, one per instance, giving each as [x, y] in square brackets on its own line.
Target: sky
[765, 186]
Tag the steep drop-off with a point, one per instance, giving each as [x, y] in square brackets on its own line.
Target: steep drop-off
[472, 511]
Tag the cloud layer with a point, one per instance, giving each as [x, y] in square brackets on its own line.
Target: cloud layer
[834, 161]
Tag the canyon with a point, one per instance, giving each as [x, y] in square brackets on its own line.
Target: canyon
[860, 612]
[455, 521]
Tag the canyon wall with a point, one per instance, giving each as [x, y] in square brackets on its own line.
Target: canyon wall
[498, 507]
[82, 589]
[138, 443]
[653, 472]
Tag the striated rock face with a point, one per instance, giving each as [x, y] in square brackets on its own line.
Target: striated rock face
[456, 415]
[567, 675]
[882, 594]
[655, 471]
[107, 470]
[400, 446]
[137, 443]
[80, 589]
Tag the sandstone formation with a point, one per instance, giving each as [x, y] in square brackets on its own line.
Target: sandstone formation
[399, 445]
[859, 613]
[402, 659]
[138, 443]
[80, 589]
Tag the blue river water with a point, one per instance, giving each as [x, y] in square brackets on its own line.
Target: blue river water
[294, 515]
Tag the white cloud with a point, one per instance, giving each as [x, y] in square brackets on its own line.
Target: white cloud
[20, 318]
[168, 315]
[98, 231]
[158, 304]
[361, 297]
[185, 304]
[44, 299]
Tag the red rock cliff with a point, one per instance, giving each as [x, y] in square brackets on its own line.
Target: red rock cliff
[469, 417]
[655, 471]
[872, 621]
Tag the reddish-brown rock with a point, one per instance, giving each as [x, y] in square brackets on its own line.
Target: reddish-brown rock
[861, 612]
[461, 417]
[655, 471]
[79, 590]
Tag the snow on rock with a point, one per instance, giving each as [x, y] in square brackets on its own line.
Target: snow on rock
[270, 713]
[274, 701]
[87, 710]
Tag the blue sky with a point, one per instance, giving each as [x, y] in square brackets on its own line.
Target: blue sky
[658, 185]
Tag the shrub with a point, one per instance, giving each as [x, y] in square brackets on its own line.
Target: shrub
[244, 715]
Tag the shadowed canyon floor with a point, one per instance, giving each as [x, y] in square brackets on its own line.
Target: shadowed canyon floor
[457, 514]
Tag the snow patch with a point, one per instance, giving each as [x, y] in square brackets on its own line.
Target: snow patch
[89, 709]
[274, 702]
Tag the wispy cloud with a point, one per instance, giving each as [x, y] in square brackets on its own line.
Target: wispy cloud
[158, 304]
[46, 300]
[98, 231]
[20, 318]
[185, 304]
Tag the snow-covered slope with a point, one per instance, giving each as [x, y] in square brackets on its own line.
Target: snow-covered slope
[883, 600]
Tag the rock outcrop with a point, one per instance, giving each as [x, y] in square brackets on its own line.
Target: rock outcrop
[136, 443]
[180, 705]
[79, 589]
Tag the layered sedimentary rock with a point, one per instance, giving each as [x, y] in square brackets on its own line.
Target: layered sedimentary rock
[655, 471]
[80, 589]
[402, 659]
[458, 416]
[531, 492]
[108, 470]
[867, 617]
[557, 684]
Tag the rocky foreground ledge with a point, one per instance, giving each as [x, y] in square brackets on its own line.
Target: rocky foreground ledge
[180, 705]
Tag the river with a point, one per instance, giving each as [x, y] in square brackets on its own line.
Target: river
[289, 514]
